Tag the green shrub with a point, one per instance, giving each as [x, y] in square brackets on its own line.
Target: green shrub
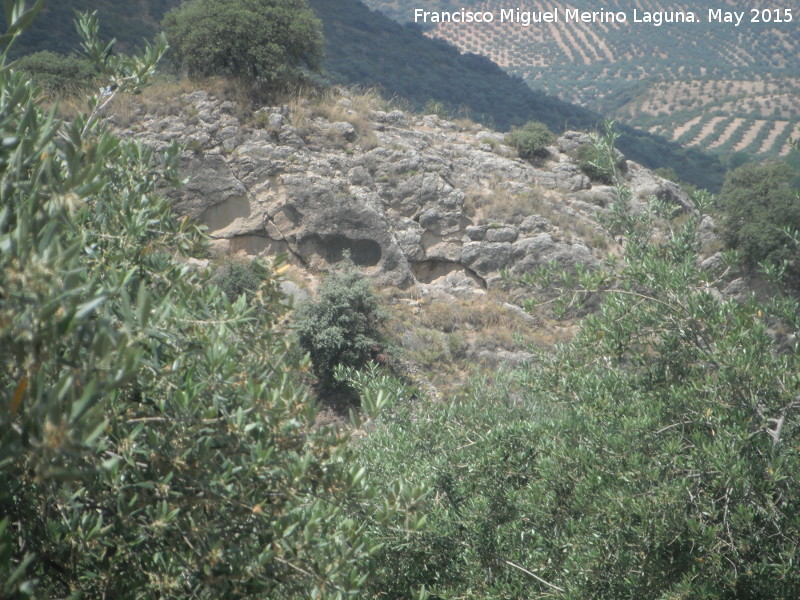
[269, 40]
[600, 160]
[531, 140]
[588, 162]
[758, 203]
[239, 276]
[341, 326]
[58, 74]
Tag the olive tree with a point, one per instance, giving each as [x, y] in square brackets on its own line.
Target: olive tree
[156, 439]
[653, 456]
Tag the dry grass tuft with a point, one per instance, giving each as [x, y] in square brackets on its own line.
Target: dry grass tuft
[498, 203]
[467, 314]
[353, 107]
[334, 105]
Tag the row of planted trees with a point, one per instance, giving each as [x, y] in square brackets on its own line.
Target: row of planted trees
[156, 436]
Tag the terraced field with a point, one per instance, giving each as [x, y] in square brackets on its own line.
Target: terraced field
[757, 117]
[712, 85]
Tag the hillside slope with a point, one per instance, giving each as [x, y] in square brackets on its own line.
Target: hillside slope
[713, 85]
[414, 198]
[129, 21]
[435, 212]
[365, 47]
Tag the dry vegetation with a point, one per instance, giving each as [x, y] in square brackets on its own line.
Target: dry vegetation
[337, 105]
[499, 203]
[496, 202]
[163, 97]
[452, 337]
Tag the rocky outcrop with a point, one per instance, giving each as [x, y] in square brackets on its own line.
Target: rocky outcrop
[412, 199]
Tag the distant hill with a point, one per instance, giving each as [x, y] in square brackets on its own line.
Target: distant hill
[129, 21]
[367, 48]
[713, 85]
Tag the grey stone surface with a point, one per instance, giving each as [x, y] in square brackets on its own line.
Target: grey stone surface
[401, 209]
[501, 234]
[571, 141]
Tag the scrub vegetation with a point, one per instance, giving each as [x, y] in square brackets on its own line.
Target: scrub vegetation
[159, 434]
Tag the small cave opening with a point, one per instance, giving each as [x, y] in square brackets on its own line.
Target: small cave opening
[331, 247]
[428, 271]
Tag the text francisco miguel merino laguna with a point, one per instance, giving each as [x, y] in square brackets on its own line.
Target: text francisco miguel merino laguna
[574, 15]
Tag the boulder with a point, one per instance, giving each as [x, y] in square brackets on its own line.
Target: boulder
[571, 141]
[540, 250]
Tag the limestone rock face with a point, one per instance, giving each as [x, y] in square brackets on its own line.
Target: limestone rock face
[414, 200]
[645, 183]
[571, 141]
[320, 222]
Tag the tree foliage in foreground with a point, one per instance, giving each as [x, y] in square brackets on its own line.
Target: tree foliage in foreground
[270, 40]
[155, 438]
[655, 456]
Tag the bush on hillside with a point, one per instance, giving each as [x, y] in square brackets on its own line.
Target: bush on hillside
[341, 326]
[57, 73]
[591, 163]
[600, 160]
[235, 277]
[531, 140]
[265, 40]
[758, 203]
